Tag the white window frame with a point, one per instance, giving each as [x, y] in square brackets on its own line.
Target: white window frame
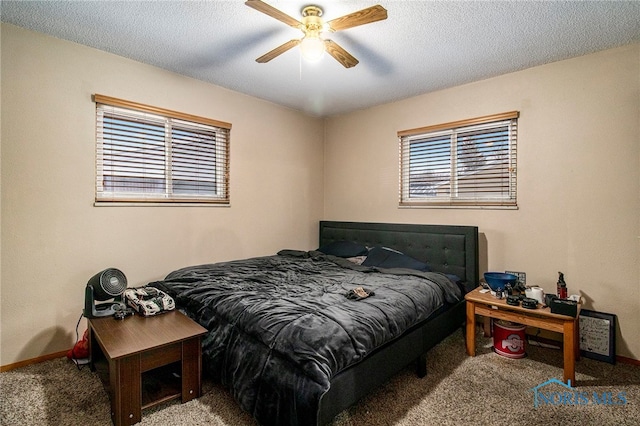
[485, 175]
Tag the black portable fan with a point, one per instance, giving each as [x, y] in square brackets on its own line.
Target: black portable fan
[108, 285]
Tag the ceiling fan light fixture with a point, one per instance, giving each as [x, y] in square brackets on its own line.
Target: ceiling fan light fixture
[312, 45]
[312, 48]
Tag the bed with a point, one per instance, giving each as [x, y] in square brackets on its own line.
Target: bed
[299, 336]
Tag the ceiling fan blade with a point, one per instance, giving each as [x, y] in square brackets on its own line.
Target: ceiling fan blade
[361, 17]
[267, 9]
[340, 55]
[277, 51]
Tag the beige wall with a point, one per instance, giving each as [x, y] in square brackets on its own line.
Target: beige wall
[54, 239]
[578, 176]
[579, 181]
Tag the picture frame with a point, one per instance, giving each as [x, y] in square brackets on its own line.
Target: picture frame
[598, 335]
[522, 276]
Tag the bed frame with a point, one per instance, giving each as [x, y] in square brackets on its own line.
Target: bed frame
[447, 249]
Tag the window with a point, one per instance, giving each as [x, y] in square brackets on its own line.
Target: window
[148, 154]
[469, 163]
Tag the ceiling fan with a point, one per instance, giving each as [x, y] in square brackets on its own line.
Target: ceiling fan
[312, 44]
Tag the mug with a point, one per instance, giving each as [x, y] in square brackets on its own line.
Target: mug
[535, 293]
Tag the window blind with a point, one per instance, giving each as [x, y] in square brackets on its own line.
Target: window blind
[145, 154]
[469, 163]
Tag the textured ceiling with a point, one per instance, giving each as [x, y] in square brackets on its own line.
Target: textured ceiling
[423, 45]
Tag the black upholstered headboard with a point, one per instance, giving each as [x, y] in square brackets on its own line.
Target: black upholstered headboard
[450, 249]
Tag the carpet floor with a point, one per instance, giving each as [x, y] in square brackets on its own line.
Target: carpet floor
[458, 390]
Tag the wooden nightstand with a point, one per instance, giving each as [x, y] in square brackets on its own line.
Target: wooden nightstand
[144, 361]
[488, 306]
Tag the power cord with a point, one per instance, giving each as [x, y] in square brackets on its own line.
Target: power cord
[73, 355]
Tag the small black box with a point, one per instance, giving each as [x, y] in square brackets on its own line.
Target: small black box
[548, 298]
[564, 307]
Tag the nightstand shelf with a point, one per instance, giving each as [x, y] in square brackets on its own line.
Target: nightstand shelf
[161, 384]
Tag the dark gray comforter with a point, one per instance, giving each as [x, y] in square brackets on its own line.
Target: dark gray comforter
[280, 327]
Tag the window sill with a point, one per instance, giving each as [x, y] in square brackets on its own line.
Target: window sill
[155, 204]
[460, 207]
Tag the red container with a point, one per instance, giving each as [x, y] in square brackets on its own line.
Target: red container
[508, 339]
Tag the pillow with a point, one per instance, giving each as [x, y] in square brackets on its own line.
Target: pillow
[344, 249]
[383, 257]
[456, 279]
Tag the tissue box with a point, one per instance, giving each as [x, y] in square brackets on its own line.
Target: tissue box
[564, 307]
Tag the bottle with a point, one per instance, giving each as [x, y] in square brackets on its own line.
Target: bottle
[562, 286]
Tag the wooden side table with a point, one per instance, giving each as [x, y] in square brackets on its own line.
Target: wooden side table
[144, 361]
[488, 306]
